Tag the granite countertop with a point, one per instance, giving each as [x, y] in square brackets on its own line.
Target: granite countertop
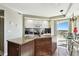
[20, 41]
[24, 40]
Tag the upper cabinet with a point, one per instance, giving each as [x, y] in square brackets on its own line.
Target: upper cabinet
[35, 23]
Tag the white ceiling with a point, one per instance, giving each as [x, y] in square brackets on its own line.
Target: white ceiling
[42, 9]
[74, 10]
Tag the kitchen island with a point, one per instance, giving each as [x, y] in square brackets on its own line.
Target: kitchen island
[33, 46]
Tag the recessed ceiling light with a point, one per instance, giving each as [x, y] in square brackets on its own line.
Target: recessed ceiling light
[61, 10]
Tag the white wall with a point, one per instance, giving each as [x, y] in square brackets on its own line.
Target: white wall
[12, 25]
[52, 28]
[52, 31]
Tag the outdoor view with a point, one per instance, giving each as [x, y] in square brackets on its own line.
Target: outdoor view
[62, 32]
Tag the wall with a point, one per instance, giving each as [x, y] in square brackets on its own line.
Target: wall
[12, 25]
[52, 28]
[54, 39]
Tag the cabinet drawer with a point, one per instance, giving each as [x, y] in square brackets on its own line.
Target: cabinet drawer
[13, 49]
[45, 44]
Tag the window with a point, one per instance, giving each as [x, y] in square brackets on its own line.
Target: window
[62, 25]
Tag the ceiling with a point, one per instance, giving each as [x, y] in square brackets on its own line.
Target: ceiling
[43, 9]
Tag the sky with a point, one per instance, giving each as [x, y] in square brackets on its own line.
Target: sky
[62, 26]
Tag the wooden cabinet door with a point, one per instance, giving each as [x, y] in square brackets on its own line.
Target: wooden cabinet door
[13, 49]
[27, 49]
[43, 47]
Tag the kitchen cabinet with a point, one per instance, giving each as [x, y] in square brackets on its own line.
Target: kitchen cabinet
[18, 50]
[41, 46]
[13, 49]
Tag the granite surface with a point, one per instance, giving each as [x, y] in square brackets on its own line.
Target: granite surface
[26, 39]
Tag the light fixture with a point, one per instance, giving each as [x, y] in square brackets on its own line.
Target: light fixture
[61, 11]
[69, 7]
